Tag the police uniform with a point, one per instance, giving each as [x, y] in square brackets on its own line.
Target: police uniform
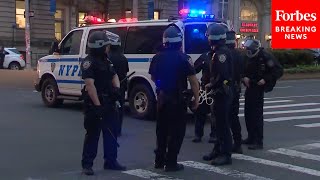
[237, 75]
[169, 70]
[202, 64]
[260, 65]
[121, 67]
[221, 75]
[99, 118]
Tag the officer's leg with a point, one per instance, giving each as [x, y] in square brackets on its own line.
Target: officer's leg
[235, 123]
[177, 130]
[213, 136]
[163, 114]
[223, 130]
[121, 111]
[216, 148]
[200, 119]
[248, 111]
[258, 119]
[92, 126]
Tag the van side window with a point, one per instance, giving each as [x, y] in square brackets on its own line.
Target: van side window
[120, 31]
[71, 44]
[196, 41]
[144, 39]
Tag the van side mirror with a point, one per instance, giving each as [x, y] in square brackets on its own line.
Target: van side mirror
[54, 48]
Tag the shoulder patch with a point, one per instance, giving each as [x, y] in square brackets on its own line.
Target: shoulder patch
[86, 64]
[190, 61]
[222, 58]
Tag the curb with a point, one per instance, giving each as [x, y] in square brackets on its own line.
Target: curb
[300, 76]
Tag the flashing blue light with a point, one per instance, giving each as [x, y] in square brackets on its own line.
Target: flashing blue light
[196, 31]
[196, 11]
[202, 16]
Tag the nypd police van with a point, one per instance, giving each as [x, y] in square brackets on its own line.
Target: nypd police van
[59, 75]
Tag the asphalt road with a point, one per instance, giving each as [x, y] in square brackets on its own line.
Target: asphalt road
[43, 143]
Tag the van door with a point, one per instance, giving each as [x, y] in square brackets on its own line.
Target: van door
[68, 73]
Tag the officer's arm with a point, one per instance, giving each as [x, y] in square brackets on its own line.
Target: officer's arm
[191, 74]
[199, 63]
[115, 81]
[271, 73]
[92, 91]
[152, 69]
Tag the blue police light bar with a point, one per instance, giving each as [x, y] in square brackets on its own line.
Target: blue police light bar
[201, 16]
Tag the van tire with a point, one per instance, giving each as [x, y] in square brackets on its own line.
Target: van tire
[50, 92]
[14, 66]
[142, 102]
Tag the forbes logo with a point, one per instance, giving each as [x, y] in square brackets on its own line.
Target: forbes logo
[281, 15]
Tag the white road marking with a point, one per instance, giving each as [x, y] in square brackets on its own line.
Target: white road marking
[148, 175]
[315, 95]
[311, 146]
[309, 125]
[288, 105]
[277, 164]
[282, 87]
[269, 102]
[291, 118]
[223, 171]
[288, 112]
[294, 153]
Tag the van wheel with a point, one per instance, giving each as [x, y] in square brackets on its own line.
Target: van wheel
[14, 66]
[142, 102]
[50, 92]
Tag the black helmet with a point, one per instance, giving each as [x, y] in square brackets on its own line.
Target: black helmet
[216, 34]
[172, 35]
[252, 46]
[231, 38]
[98, 39]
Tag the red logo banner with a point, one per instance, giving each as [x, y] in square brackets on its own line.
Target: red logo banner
[295, 24]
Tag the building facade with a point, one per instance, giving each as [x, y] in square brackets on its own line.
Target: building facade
[53, 19]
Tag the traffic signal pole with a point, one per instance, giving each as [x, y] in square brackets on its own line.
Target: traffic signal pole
[27, 35]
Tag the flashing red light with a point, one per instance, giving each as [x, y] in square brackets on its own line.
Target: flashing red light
[184, 11]
[128, 20]
[93, 20]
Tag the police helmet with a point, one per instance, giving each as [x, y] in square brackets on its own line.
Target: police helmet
[252, 44]
[231, 38]
[172, 35]
[98, 39]
[216, 34]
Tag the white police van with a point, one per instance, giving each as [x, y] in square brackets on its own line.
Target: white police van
[60, 75]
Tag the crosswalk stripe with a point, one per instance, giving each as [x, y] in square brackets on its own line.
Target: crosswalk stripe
[148, 175]
[288, 105]
[294, 153]
[309, 125]
[223, 171]
[311, 146]
[314, 95]
[291, 118]
[288, 112]
[277, 164]
[269, 102]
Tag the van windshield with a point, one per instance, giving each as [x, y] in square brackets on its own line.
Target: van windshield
[196, 41]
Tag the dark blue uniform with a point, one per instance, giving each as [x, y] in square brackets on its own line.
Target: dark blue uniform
[202, 64]
[102, 72]
[221, 80]
[170, 69]
[238, 67]
[121, 67]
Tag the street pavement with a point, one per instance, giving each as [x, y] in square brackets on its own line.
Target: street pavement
[45, 143]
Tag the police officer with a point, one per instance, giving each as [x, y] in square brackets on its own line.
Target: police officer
[221, 74]
[203, 64]
[170, 70]
[237, 75]
[261, 72]
[2, 56]
[121, 66]
[101, 93]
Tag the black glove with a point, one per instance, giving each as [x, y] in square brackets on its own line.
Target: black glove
[116, 94]
[99, 111]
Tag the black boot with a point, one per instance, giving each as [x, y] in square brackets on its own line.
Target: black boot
[236, 148]
[256, 146]
[159, 165]
[196, 139]
[114, 166]
[213, 154]
[88, 171]
[172, 168]
[222, 160]
[247, 141]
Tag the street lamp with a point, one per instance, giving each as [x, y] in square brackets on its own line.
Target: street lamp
[238, 36]
[269, 38]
